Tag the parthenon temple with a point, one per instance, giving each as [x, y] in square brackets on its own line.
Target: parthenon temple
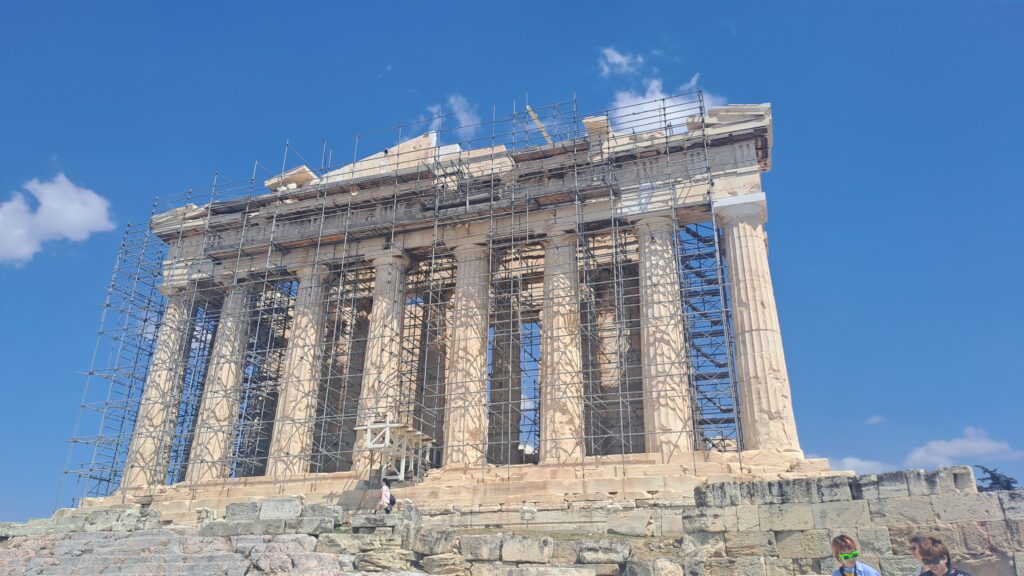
[543, 305]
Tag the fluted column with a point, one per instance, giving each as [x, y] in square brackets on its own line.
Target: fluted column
[149, 451]
[380, 393]
[210, 458]
[465, 430]
[766, 405]
[668, 416]
[561, 394]
[291, 443]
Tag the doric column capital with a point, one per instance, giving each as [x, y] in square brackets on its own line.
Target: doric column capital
[559, 240]
[392, 256]
[469, 251]
[305, 272]
[748, 207]
[656, 223]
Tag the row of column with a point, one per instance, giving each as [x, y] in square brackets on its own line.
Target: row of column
[766, 414]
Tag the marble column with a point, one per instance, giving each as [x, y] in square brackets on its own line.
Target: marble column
[381, 387]
[561, 373]
[149, 451]
[465, 430]
[668, 415]
[766, 404]
[291, 443]
[210, 458]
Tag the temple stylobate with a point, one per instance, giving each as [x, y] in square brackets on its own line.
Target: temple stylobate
[567, 299]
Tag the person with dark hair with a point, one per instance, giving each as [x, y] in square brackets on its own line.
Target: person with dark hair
[387, 500]
[844, 549]
[935, 557]
[915, 551]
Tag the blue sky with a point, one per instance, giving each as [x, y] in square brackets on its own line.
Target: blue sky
[895, 206]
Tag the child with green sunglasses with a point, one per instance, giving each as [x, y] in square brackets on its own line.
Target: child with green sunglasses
[844, 549]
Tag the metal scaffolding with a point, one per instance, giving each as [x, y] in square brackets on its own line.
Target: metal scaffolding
[231, 386]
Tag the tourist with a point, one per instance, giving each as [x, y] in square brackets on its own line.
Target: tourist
[935, 557]
[844, 549]
[386, 499]
[915, 551]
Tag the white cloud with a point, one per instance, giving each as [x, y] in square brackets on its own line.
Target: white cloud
[65, 211]
[654, 109]
[974, 446]
[466, 116]
[859, 465]
[612, 61]
[467, 121]
[874, 420]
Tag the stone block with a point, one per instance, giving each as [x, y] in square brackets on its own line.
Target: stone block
[309, 525]
[280, 509]
[603, 552]
[754, 543]
[551, 571]
[982, 538]
[834, 488]
[802, 543]
[373, 521]
[874, 541]
[1016, 530]
[336, 513]
[786, 517]
[901, 534]
[710, 519]
[771, 492]
[656, 567]
[967, 507]
[988, 565]
[481, 546]
[565, 552]
[242, 511]
[747, 517]
[516, 548]
[604, 569]
[1013, 504]
[384, 559]
[711, 567]
[717, 494]
[913, 510]
[448, 563]
[488, 569]
[636, 525]
[672, 526]
[702, 545]
[338, 544]
[850, 514]
[899, 565]
[778, 567]
[878, 486]
[750, 566]
[431, 541]
[1018, 563]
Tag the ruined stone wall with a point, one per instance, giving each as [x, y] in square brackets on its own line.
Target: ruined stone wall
[776, 528]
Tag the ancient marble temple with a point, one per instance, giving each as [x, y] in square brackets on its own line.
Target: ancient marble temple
[571, 306]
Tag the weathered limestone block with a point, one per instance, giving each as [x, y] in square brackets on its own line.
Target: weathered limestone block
[983, 538]
[701, 545]
[750, 566]
[244, 544]
[280, 509]
[488, 569]
[778, 567]
[485, 547]
[338, 544]
[913, 510]
[638, 525]
[841, 514]
[241, 528]
[1018, 562]
[449, 563]
[657, 567]
[967, 507]
[672, 526]
[515, 548]
[711, 567]
[335, 513]
[874, 541]
[309, 525]
[384, 559]
[876, 486]
[899, 565]
[239, 511]
[550, 571]
[785, 517]
[1013, 504]
[988, 565]
[710, 519]
[747, 517]
[565, 552]
[718, 494]
[756, 543]
[603, 552]
[901, 534]
[802, 543]
[371, 522]
[431, 541]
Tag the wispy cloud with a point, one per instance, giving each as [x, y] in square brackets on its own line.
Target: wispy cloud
[654, 109]
[613, 62]
[975, 445]
[860, 465]
[874, 420]
[64, 211]
[457, 107]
